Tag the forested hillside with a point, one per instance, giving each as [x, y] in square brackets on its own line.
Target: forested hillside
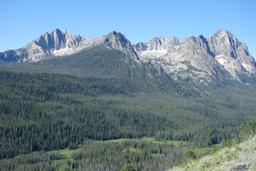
[44, 112]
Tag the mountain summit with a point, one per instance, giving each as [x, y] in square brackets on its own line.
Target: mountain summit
[218, 57]
[56, 43]
[232, 54]
[117, 40]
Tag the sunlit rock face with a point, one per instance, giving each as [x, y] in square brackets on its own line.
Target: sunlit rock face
[221, 56]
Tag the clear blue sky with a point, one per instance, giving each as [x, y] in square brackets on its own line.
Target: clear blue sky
[22, 21]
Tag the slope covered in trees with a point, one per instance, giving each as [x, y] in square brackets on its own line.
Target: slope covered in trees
[51, 111]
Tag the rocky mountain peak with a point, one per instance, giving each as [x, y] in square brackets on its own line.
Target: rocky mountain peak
[118, 41]
[56, 40]
[56, 43]
[232, 54]
[224, 42]
[222, 33]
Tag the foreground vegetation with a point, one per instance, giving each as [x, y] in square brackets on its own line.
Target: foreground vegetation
[239, 156]
[138, 154]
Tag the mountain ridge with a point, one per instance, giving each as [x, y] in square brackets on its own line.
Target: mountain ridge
[199, 59]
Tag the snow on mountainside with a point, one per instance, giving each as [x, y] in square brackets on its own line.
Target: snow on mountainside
[157, 47]
[219, 57]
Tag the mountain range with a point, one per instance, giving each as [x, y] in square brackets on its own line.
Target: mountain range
[65, 100]
[216, 58]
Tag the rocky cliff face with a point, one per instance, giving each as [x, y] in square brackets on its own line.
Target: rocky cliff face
[232, 54]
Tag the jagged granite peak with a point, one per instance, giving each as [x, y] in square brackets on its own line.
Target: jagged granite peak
[223, 42]
[56, 43]
[232, 54]
[118, 41]
[57, 39]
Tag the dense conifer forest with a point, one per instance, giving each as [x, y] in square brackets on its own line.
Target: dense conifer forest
[109, 124]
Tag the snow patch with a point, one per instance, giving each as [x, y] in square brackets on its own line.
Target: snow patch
[151, 54]
[63, 51]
